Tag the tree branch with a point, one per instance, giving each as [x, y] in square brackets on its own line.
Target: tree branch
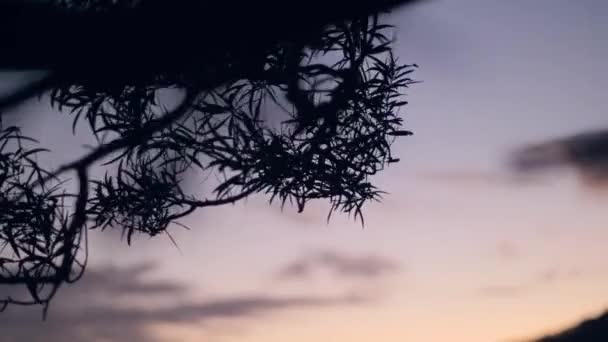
[220, 201]
[32, 89]
[132, 140]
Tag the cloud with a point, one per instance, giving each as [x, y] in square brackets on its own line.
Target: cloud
[370, 266]
[586, 152]
[465, 177]
[501, 290]
[109, 284]
[538, 280]
[590, 330]
[126, 281]
[486, 178]
[118, 304]
[507, 250]
[552, 275]
[548, 276]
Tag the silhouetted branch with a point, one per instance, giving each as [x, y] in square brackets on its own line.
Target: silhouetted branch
[343, 121]
[142, 135]
[27, 92]
[221, 201]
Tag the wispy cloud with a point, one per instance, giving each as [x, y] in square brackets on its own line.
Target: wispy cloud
[113, 304]
[507, 250]
[464, 176]
[126, 281]
[369, 266]
[501, 290]
[536, 281]
[482, 178]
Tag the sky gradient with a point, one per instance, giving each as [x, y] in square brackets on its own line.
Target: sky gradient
[461, 249]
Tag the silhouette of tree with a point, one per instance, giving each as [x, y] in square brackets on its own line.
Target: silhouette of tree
[332, 73]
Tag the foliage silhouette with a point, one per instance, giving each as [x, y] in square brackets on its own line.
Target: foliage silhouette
[340, 89]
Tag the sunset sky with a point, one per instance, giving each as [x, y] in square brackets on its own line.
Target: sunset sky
[462, 249]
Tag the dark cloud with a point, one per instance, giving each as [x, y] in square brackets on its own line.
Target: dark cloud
[126, 281]
[121, 304]
[370, 266]
[591, 330]
[109, 284]
[586, 152]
